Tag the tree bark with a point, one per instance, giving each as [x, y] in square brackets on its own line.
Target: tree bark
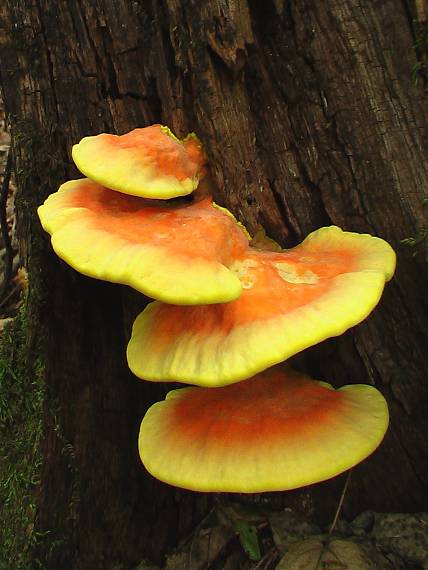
[309, 117]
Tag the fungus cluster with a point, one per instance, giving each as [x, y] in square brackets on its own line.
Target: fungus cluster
[225, 314]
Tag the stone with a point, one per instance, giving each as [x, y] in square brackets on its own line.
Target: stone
[337, 554]
[403, 534]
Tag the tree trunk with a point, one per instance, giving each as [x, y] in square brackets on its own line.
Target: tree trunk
[309, 117]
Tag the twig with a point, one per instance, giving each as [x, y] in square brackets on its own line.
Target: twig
[335, 519]
[8, 258]
[340, 505]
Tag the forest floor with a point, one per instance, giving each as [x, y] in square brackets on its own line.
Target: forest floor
[234, 536]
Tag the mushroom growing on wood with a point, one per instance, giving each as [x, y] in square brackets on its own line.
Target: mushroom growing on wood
[276, 431]
[252, 308]
[178, 253]
[291, 300]
[150, 162]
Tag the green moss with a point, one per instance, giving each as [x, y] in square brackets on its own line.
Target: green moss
[23, 353]
[21, 403]
[419, 242]
[59, 541]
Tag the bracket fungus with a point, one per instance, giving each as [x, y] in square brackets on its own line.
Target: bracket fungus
[150, 162]
[249, 308]
[290, 301]
[276, 431]
[178, 253]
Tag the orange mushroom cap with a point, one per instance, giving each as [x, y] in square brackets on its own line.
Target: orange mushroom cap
[291, 300]
[150, 162]
[176, 253]
[274, 432]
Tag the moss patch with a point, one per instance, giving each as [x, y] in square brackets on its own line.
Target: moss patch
[419, 242]
[21, 403]
[23, 354]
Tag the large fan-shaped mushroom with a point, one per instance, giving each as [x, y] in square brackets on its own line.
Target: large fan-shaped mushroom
[290, 301]
[276, 431]
[176, 253]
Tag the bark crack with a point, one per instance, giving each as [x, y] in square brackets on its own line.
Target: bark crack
[49, 61]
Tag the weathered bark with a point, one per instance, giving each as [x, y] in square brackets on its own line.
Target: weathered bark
[309, 117]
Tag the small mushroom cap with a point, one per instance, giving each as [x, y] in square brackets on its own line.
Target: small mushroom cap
[290, 301]
[276, 431]
[178, 254]
[149, 162]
